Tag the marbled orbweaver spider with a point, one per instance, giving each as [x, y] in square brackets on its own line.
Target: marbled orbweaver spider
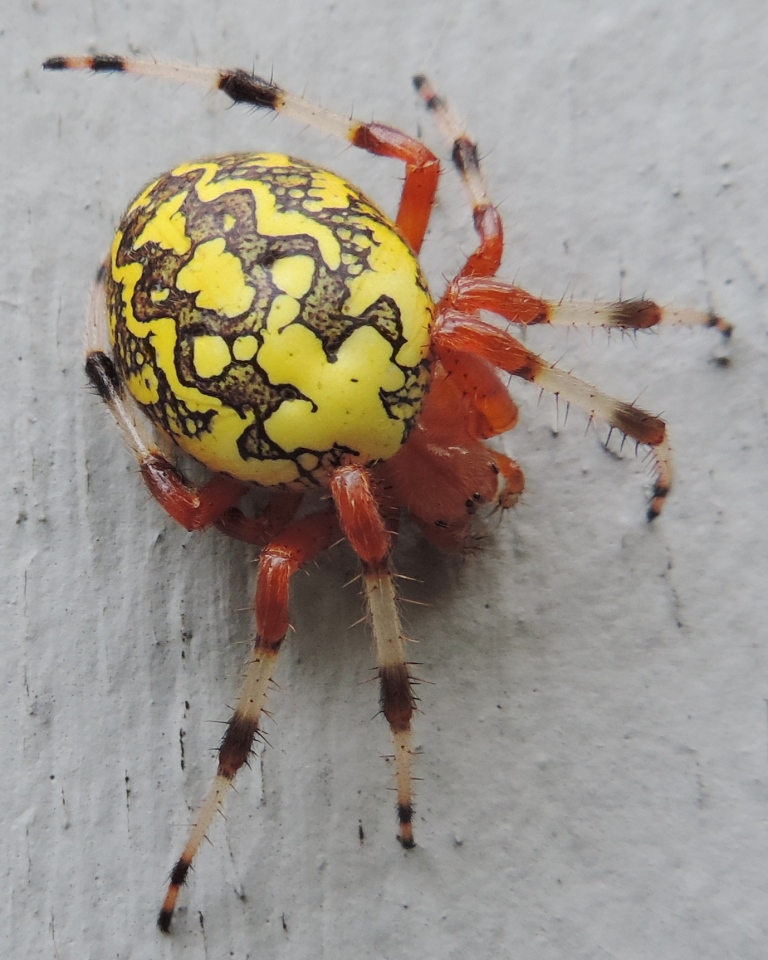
[275, 325]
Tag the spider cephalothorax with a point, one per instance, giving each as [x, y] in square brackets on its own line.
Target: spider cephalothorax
[275, 325]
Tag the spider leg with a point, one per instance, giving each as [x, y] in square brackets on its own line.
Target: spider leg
[475, 288]
[491, 409]
[422, 168]
[287, 552]
[470, 294]
[258, 531]
[363, 525]
[486, 259]
[460, 332]
[193, 507]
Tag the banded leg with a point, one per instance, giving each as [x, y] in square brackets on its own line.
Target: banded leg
[470, 294]
[474, 287]
[485, 261]
[192, 507]
[467, 333]
[363, 526]
[289, 551]
[422, 168]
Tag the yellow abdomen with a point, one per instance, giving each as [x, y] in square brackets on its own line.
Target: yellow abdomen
[269, 318]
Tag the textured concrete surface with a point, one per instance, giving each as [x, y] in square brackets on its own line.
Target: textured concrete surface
[593, 741]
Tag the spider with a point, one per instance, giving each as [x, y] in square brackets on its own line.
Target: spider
[266, 317]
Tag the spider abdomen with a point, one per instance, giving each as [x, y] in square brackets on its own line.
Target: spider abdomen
[269, 318]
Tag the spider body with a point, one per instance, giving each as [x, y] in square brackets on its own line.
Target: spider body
[268, 318]
[270, 321]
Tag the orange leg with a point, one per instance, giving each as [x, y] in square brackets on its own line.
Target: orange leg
[422, 172]
[491, 409]
[470, 294]
[422, 168]
[276, 516]
[475, 288]
[287, 552]
[458, 332]
[485, 261]
[363, 525]
[191, 506]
